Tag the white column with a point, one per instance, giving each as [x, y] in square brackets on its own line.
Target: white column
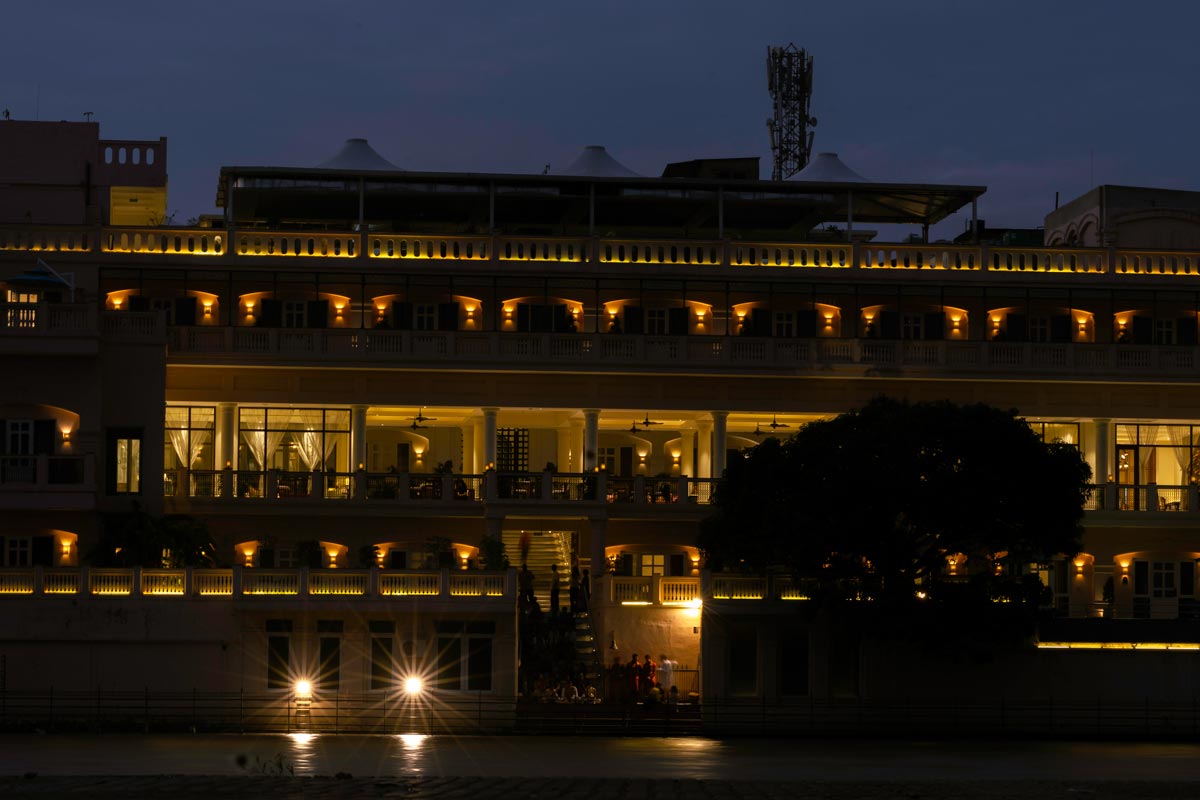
[358, 436]
[704, 448]
[718, 443]
[563, 450]
[1103, 451]
[576, 461]
[468, 450]
[591, 438]
[687, 458]
[489, 435]
[226, 435]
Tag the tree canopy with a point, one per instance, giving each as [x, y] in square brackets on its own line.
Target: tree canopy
[883, 495]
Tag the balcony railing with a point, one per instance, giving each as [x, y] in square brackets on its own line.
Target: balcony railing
[743, 353]
[258, 583]
[272, 245]
[657, 590]
[373, 488]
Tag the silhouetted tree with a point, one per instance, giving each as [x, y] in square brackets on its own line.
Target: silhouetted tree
[139, 539]
[876, 499]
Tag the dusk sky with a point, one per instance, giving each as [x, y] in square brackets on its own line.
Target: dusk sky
[1026, 98]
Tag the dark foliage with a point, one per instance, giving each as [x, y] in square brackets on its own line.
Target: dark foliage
[875, 500]
[138, 539]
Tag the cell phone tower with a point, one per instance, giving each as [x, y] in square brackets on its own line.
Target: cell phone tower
[789, 80]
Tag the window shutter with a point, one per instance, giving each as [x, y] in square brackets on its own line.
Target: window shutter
[1185, 330]
[43, 436]
[678, 320]
[41, 551]
[1143, 330]
[270, 313]
[1060, 328]
[448, 316]
[806, 323]
[634, 319]
[562, 319]
[524, 318]
[542, 317]
[760, 321]
[1016, 327]
[402, 314]
[889, 325]
[139, 303]
[935, 325]
[266, 557]
[185, 311]
[676, 564]
[317, 313]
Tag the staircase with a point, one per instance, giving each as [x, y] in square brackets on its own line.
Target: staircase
[587, 651]
[545, 548]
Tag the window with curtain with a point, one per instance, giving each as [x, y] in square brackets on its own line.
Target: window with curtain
[188, 437]
[294, 439]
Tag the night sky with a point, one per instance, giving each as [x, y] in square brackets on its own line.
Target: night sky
[1026, 98]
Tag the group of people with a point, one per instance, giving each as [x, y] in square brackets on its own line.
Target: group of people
[642, 681]
[578, 590]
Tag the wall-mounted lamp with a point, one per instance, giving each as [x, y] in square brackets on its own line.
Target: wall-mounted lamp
[66, 435]
[338, 308]
[117, 302]
[207, 307]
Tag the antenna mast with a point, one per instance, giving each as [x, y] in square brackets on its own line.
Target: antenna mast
[789, 80]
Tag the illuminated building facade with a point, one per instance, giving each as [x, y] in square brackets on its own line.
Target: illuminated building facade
[364, 372]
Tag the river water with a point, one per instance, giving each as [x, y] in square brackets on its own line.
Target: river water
[521, 756]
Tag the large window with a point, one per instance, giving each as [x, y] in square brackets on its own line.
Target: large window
[1167, 455]
[124, 461]
[294, 439]
[464, 655]
[1064, 432]
[785, 324]
[188, 438]
[279, 652]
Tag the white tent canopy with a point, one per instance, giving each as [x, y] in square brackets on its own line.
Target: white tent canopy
[828, 168]
[356, 154]
[595, 162]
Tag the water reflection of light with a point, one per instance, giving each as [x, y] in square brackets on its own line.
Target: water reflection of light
[302, 751]
[412, 741]
[411, 755]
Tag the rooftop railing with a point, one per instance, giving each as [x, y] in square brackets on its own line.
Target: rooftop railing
[257, 583]
[349, 245]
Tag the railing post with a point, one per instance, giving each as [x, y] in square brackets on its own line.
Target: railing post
[236, 588]
[317, 487]
[135, 586]
[373, 580]
[547, 486]
[226, 492]
[39, 580]
[489, 485]
[602, 485]
[42, 470]
[360, 484]
[639, 490]
[681, 489]
[447, 487]
[1151, 497]
[271, 490]
[302, 582]
[189, 585]
[1110, 496]
[1193, 497]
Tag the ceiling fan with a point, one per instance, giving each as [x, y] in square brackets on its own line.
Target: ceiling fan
[647, 422]
[776, 425]
[634, 428]
[420, 417]
[757, 430]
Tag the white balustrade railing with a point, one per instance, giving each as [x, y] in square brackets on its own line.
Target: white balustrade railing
[270, 582]
[110, 581]
[212, 582]
[678, 590]
[410, 583]
[164, 582]
[16, 582]
[632, 590]
[339, 582]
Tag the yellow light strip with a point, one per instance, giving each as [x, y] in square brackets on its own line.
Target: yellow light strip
[1118, 646]
[635, 602]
